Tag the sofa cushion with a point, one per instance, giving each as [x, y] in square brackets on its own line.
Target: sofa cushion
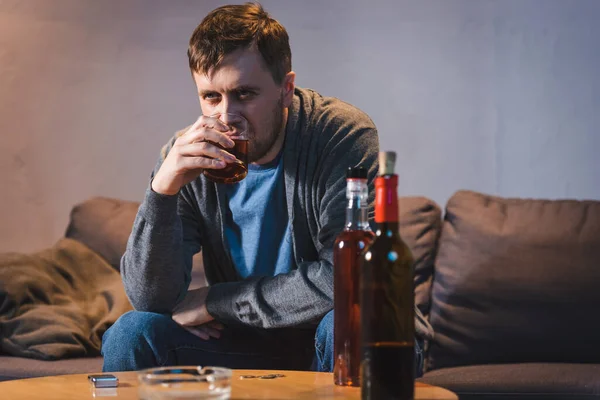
[519, 381]
[516, 280]
[420, 228]
[19, 368]
[103, 224]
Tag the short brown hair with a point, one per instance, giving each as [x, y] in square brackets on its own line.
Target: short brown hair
[233, 27]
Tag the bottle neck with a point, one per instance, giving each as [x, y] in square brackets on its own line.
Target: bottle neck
[386, 200]
[356, 211]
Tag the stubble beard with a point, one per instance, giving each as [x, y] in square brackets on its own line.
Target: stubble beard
[258, 148]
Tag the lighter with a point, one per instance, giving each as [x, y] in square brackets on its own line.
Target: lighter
[103, 381]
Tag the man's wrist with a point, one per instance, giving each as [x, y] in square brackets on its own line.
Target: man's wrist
[159, 189]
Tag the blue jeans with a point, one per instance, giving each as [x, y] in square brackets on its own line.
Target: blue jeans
[141, 340]
[323, 361]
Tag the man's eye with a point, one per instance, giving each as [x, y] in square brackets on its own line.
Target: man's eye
[211, 96]
[245, 94]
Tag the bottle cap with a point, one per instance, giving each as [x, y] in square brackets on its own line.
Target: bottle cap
[387, 162]
[356, 173]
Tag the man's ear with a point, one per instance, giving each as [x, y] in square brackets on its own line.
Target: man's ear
[288, 88]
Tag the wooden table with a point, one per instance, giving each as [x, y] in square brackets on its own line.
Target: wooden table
[295, 385]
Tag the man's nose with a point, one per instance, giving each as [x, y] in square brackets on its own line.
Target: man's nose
[230, 115]
[228, 107]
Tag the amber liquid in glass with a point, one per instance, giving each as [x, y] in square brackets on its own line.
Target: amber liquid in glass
[235, 171]
[348, 249]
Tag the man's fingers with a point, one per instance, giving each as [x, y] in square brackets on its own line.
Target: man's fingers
[205, 125]
[204, 332]
[206, 149]
[197, 124]
[192, 163]
[203, 134]
[217, 325]
[214, 123]
[198, 332]
[212, 331]
[206, 135]
[209, 122]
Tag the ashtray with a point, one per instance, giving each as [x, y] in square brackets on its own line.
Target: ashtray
[184, 382]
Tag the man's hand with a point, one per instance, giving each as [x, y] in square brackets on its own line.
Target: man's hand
[206, 331]
[192, 311]
[197, 149]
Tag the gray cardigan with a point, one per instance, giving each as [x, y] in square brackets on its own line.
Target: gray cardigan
[324, 136]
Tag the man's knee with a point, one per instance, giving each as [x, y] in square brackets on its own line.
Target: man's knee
[324, 343]
[133, 333]
[325, 328]
[133, 326]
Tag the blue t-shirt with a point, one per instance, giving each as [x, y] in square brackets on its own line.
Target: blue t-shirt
[257, 227]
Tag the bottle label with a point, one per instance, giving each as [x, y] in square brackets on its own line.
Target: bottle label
[386, 198]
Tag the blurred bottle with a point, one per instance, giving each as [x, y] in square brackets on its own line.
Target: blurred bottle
[347, 253]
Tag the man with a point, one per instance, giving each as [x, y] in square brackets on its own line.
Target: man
[266, 241]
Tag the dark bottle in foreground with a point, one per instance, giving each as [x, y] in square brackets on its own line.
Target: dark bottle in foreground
[347, 252]
[387, 299]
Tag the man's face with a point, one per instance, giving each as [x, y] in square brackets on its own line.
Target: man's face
[243, 85]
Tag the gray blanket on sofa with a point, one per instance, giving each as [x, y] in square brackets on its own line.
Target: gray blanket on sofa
[58, 302]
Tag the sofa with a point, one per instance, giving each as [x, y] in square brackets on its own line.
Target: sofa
[509, 286]
[513, 296]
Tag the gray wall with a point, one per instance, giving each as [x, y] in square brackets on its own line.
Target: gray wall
[496, 96]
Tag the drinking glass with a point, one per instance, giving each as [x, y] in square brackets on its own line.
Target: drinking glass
[238, 132]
